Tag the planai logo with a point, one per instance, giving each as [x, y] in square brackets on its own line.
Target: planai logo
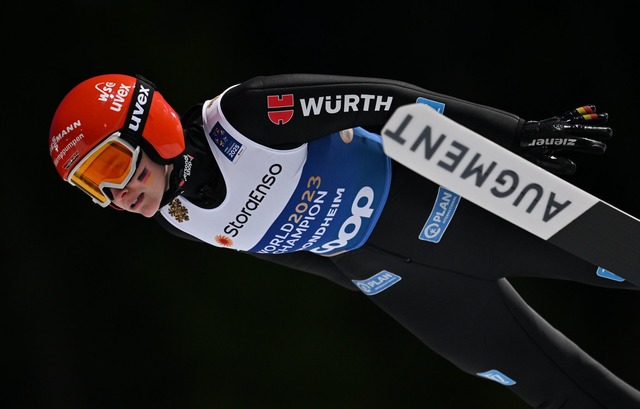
[377, 283]
[438, 106]
[441, 215]
[497, 376]
[604, 273]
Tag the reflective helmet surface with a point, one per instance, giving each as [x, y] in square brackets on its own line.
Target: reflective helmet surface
[100, 106]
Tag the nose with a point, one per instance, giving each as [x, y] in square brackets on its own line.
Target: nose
[116, 193]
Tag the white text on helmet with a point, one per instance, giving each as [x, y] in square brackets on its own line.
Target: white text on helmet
[106, 90]
[67, 130]
[141, 101]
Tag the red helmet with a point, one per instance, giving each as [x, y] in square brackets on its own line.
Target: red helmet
[100, 106]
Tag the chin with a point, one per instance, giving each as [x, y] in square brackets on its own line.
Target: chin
[149, 211]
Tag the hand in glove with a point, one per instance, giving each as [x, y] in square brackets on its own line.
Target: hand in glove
[575, 130]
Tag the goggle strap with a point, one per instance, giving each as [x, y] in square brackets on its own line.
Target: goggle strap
[138, 111]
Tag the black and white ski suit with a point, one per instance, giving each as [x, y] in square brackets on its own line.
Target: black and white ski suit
[451, 292]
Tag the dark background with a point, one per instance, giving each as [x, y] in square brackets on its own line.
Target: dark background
[107, 310]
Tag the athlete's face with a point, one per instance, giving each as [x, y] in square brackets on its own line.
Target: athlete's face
[144, 191]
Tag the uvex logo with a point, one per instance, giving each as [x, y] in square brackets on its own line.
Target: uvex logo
[138, 114]
[282, 106]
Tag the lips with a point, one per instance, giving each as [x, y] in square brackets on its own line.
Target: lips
[137, 202]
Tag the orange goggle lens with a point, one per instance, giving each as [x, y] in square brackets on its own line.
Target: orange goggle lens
[109, 165]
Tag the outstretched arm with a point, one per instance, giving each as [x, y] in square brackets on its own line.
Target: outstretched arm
[291, 109]
[283, 111]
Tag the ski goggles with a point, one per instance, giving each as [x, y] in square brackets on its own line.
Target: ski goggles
[111, 164]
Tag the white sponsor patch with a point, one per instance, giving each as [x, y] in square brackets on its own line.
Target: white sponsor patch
[482, 171]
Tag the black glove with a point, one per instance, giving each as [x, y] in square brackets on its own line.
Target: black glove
[575, 130]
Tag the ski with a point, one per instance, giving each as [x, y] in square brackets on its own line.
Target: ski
[515, 189]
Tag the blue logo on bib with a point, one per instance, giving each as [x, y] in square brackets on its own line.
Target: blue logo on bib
[497, 376]
[601, 272]
[377, 283]
[227, 144]
[438, 106]
[441, 215]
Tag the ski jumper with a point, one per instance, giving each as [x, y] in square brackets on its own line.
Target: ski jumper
[268, 158]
